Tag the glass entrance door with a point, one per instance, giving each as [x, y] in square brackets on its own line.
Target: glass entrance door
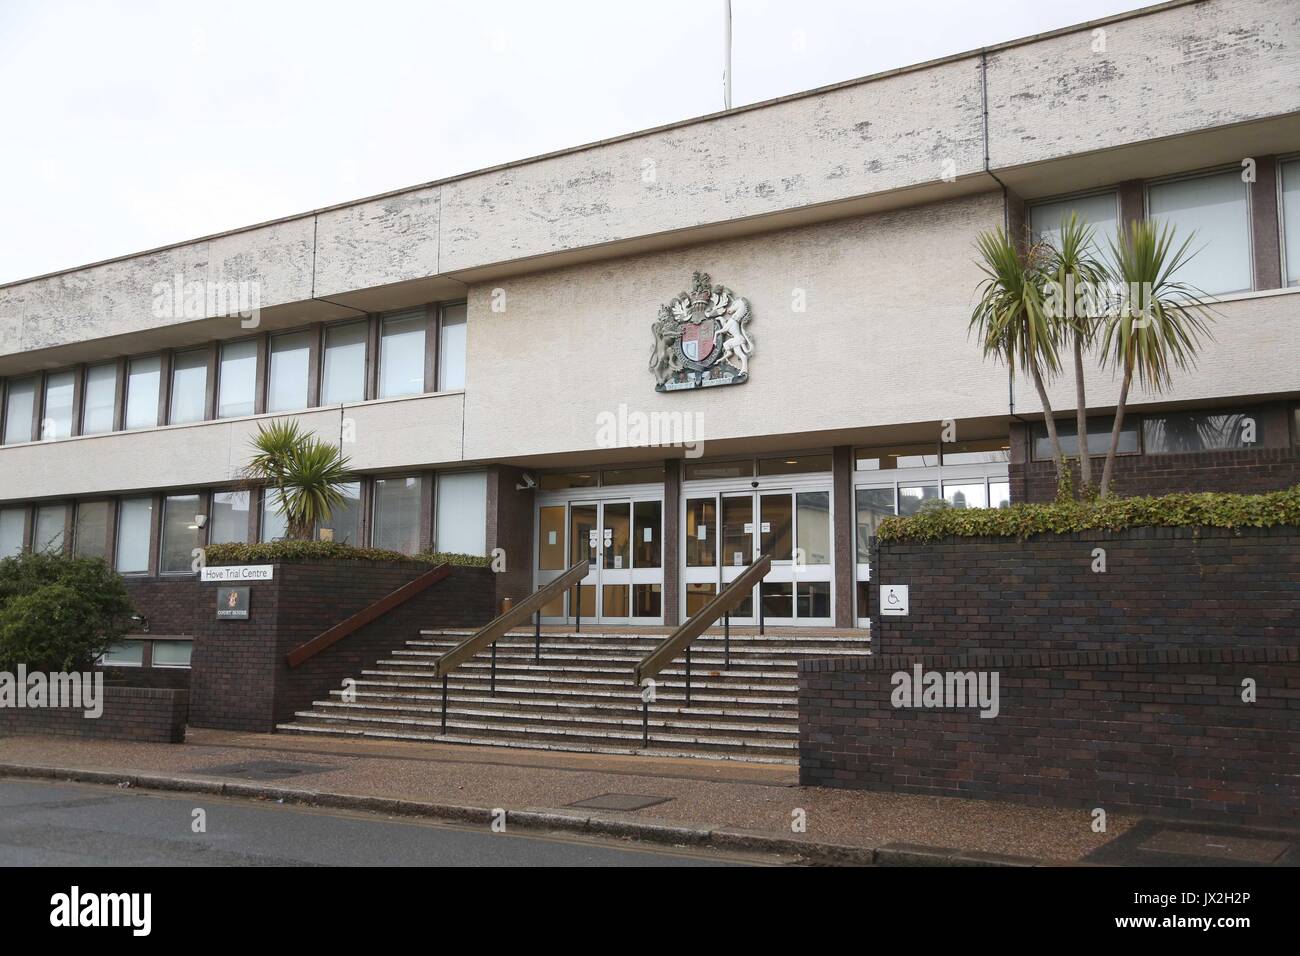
[623, 540]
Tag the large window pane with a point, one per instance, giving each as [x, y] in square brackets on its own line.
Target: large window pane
[873, 506]
[125, 654]
[397, 514]
[1100, 211]
[90, 534]
[189, 387]
[1291, 220]
[1215, 209]
[965, 494]
[911, 497]
[794, 464]
[451, 349]
[142, 384]
[999, 494]
[343, 372]
[290, 360]
[697, 471]
[237, 379]
[274, 524]
[51, 526]
[647, 519]
[701, 532]
[13, 522]
[814, 521]
[980, 452]
[56, 417]
[1200, 431]
[462, 513]
[20, 410]
[101, 400]
[180, 533]
[550, 539]
[228, 522]
[344, 524]
[134, 519]
[1098, 438]
[888, 457]
[401, 355]
[172, 653]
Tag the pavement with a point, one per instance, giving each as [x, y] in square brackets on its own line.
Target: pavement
[723, 805]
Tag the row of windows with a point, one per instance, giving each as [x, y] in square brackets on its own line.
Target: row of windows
[1165, 433]
[1214, 206]
[123, 530]
[224, 381]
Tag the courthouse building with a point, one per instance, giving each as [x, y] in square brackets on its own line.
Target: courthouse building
[524, 357]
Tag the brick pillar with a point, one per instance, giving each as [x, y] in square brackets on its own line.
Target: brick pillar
[842, 533]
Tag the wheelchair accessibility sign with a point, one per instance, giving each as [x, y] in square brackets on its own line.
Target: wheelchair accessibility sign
[893, 600]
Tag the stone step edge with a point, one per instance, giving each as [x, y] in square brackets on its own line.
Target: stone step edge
[538, 818]
[656, 719]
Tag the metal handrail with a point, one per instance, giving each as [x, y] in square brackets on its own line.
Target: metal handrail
[679, 641]
[499, 626]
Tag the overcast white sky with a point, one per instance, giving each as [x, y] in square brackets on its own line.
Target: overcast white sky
[127, 124]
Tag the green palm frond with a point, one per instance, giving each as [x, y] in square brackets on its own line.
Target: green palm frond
[1009, 318]
[306, 472]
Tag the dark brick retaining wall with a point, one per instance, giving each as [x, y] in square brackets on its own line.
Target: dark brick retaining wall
[1155, 730]
[130, 713]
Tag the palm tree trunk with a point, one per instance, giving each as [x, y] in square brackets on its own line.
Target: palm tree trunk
[1114, 432]
[1081, 413]
[1048, 420]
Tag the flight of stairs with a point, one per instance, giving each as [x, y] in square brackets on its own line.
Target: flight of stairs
[580, 695]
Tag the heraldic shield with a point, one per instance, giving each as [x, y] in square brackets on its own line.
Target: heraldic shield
[702, 339]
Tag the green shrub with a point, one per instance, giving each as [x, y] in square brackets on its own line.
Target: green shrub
[1210, 510]
[293, 551]
[59, 613]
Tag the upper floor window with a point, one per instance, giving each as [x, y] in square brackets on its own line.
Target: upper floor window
[344, 523]
[451, 348]
[50, 530]
[1291, 220]
[180, 533]
[287, 382]
[90, 532]
[189, 401]
[134, 527]
[343, 371]
[237, 379]
[20, 410]
[99, 406]
[401, 354]
[142, 388]
[56, 416]
[1214, 211]
[1101, 212]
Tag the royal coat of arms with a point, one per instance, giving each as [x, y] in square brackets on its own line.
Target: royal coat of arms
[702, 339]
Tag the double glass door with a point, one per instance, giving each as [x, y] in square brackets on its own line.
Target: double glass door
[623, 539]
[724, 532]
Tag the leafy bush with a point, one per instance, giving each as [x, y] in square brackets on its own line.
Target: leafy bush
[291, 551]
[59, 613]
[1211, 510]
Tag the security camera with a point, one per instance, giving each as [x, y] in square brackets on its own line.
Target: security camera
[200, 520]
[528, 481]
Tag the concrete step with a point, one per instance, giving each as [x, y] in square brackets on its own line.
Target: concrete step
[703, 682]
[580, 692]
[522, 703]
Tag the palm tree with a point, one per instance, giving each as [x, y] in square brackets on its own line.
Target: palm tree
[1072, 265]
[306, 472]
[1011, 321]
[1160, 322]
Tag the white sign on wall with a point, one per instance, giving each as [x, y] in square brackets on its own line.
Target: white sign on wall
[893, 600]
[238, 572]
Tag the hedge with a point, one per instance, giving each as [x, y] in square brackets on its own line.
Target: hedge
[294, 551]
[1210, 510]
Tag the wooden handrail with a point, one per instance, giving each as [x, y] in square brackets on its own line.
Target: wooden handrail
[491, 632]
[680, 640]
[306, 651]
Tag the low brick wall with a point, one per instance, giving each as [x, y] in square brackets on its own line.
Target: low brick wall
[130, 713]
[1160, 731]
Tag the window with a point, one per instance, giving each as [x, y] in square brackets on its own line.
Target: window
[401, 355]
[90, 533]
[100, 403]
[344, 524]
[56, 417]
[556, 481]
[1098, 438]
[794, 464]
[237, 379]
[189, 387]
[911, 497]
[397, 514]
[462, 513]
[1200, 431]
[13, 525]
[814, 526]
[965, 494]
[125, 654]
[343, 372]
[134, 525]
[50, 531]
[20, 411]
[228, 522]
[999, 494]
[180, 534]
[1215, 208]
[451, 349]
[632, 476]
[982, 452]
[171, 653]
[1100, 211]
[290, 360]
[720, 469]
[897, 456]
[873, 506]
[1291, 222]
[274, 524]
[647, 525]
[142, 384]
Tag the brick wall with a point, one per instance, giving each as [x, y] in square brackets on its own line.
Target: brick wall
[1163, 588]
[130, 713]
[1158, 731]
